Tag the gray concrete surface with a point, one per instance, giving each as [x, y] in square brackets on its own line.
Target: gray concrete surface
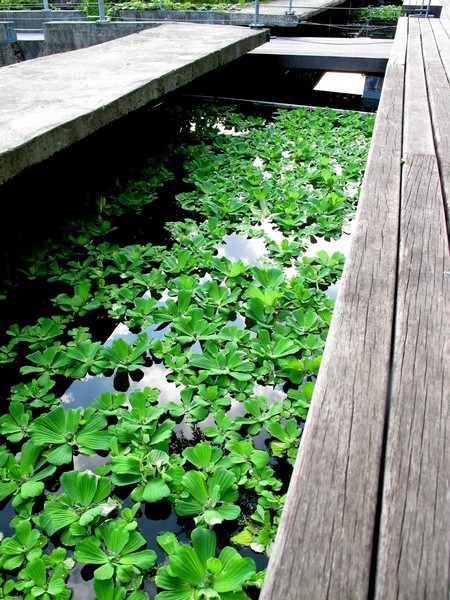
[48, 103]
[33, 19]
[280, 13]
[338, 54]
[62, 37]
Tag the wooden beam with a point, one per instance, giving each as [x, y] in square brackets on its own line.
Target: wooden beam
[323, 548]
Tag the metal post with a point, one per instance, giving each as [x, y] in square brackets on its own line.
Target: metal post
[289, 10]
[256, 22]
[101, 10]
[46, 7]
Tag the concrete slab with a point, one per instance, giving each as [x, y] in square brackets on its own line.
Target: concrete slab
[339, 54]
[48, 103]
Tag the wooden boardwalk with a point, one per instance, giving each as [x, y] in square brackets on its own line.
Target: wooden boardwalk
[368, 512]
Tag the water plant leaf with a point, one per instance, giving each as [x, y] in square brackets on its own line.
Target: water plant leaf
[204, 456]
[227, 361]
[63, 432]
[116, 549]
[15, 473]
[266, 297]
[52, 361]
[14, 425]
[26, 544]
[85, 499]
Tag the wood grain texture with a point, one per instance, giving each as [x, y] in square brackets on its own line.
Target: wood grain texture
[414, 547]
[436, 52]
[418, 136]
[323, 547]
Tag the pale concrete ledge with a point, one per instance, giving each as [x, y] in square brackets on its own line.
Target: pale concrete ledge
[48, 103]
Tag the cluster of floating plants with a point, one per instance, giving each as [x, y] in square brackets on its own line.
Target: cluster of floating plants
[238, 339]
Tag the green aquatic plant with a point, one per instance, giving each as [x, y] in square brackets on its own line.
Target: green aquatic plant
[287, 438]
[195, 572]
[228, 361]
[87, 358]
[39, 580]
[62, 433]
[86, 501]
[214, 327]
[125, 357]
[36, 393]
[225, 428]
[53, 360]
[23, 477]
[141, 427]
[209, 499]
[25, 545]
[39, 336]
[152, 474]
[81, 303]
[191, 406]
[117, 551]
[14, 425]
[205, 457]
[258, 413]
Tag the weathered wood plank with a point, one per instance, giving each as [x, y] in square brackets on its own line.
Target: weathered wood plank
[418, 136]
[441, 31]
[323, 547]
[436, 49]
[414, 546]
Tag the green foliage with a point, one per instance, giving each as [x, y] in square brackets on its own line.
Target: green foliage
[61, 433]
[195, 572]
[222, 329]
[85, 502]
[388, 12]
[118, 552]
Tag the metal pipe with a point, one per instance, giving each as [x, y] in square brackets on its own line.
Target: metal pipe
[289, 10]
[256, 22]
[101, 10]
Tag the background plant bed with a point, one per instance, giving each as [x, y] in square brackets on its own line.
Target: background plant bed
[171, 440]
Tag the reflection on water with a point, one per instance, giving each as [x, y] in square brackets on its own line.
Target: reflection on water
[270, 392]
[83, 462]
[83, 393]
[239, 247]
[342, 244]
[82, 588]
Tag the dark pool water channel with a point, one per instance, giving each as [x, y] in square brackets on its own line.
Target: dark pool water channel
[111, 152]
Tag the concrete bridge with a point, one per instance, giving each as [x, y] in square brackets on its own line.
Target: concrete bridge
[48, 103]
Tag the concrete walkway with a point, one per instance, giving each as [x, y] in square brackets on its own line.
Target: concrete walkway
[51, 102]
[338, 54]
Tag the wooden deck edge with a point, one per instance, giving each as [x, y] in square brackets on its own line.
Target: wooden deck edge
[323, 548]
[414, 545]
